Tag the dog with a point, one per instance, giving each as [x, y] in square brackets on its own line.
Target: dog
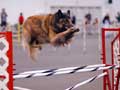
[56, 29]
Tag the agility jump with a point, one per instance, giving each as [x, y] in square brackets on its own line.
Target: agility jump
[7, 83]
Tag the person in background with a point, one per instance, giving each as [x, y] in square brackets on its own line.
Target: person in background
[4, 16]
[69, 13]
[95, 21]
[96, 25]
[20, 26]
[106, 24]
[21, 19]
[87, 23]
[106, 20]
[88, 16]
[74, 20]
[118, 17]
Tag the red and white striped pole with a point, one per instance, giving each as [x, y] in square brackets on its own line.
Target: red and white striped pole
[107, 84]
[6, 61]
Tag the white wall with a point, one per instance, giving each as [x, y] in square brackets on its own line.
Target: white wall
[30, 7]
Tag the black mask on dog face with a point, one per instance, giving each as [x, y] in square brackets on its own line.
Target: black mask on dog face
[62, 21]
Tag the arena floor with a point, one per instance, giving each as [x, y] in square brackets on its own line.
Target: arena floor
[61, 58]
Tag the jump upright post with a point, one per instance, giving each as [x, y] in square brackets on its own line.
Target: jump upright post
[110, 80]
[6, 61]
[111, 84]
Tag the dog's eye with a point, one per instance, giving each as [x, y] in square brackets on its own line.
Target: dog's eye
[61, 21]
[66, 21]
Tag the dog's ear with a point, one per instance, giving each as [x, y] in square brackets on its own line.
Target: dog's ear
[59, 13]
[68, 13]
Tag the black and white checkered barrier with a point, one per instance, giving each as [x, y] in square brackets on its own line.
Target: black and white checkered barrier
[87, 81]
[69, 70]
[3, 56]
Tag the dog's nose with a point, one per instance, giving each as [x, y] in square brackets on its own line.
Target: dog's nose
[77, 30]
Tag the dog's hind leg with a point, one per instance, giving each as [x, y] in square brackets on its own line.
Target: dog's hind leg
[25, 39]
[37, 46]
[33, 47]
[32, 40]
[33, 52]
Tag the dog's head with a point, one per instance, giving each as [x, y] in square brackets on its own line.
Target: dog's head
[62, 22]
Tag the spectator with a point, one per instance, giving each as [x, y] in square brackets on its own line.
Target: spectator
[106, 20]
[118, 17]
[3, 18]
[21, 19]
[74, 20]
[96, 24]
[95, 21]
[69, 13]
[87, 23]
[88, 17]
[106, 24]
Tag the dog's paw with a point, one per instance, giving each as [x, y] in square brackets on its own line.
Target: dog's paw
[64, 38]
